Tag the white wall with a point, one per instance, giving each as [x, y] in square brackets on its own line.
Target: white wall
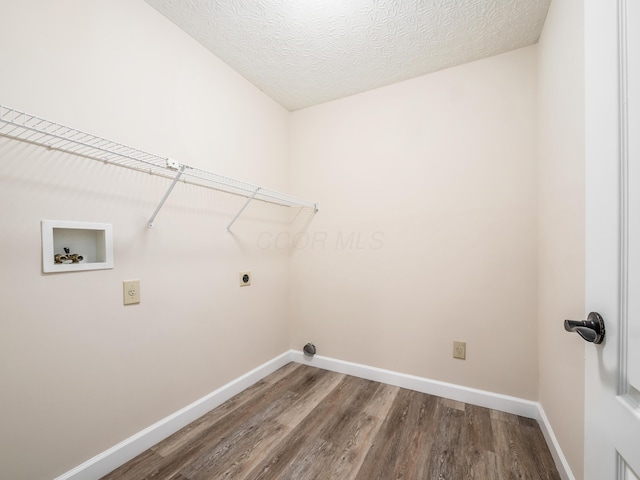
[428, 226]
[428, 230]
[79, 371]
[561, 233]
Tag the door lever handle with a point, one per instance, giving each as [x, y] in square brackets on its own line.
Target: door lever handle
[591, 329]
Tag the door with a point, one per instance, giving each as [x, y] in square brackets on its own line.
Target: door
[612, 111]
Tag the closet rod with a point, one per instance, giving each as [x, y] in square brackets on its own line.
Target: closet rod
[29, 128]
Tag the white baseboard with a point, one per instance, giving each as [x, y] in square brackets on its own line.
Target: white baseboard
[561, 462]
[481, 398]
[496, 401]
[121, 453]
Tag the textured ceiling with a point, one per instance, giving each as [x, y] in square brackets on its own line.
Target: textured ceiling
[305, 52]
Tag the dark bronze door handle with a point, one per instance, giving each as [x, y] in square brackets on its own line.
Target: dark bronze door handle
[591, 329]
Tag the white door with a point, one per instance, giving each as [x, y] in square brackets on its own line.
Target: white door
[612, 109]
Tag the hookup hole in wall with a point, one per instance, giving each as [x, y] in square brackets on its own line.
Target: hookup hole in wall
[309, 349]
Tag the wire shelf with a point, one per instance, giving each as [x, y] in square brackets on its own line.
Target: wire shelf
[29, 128]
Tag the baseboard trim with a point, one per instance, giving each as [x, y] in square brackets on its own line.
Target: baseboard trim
[124, 451]
[496, 401]
[482, 398]
[554, 446]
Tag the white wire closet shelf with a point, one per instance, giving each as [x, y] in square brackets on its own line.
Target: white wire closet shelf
[29, 128]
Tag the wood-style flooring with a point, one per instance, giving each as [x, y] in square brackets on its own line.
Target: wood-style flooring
[303, 423]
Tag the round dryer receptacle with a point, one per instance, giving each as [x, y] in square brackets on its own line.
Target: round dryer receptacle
[309, 349]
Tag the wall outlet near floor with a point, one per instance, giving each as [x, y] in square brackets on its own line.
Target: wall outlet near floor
[460, 350]
[131, 291]
[245, 279]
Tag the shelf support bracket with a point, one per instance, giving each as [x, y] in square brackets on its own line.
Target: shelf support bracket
[166, 195]
[242, 209]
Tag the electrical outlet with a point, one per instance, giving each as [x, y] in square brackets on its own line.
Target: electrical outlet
[131, 291]
[460, 350]
[245, 279]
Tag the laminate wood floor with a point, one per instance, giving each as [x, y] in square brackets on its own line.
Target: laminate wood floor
[303, 423]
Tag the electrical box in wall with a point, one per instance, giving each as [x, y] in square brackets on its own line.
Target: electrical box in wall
[76, 246]
[131, 291]
[245, 279]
